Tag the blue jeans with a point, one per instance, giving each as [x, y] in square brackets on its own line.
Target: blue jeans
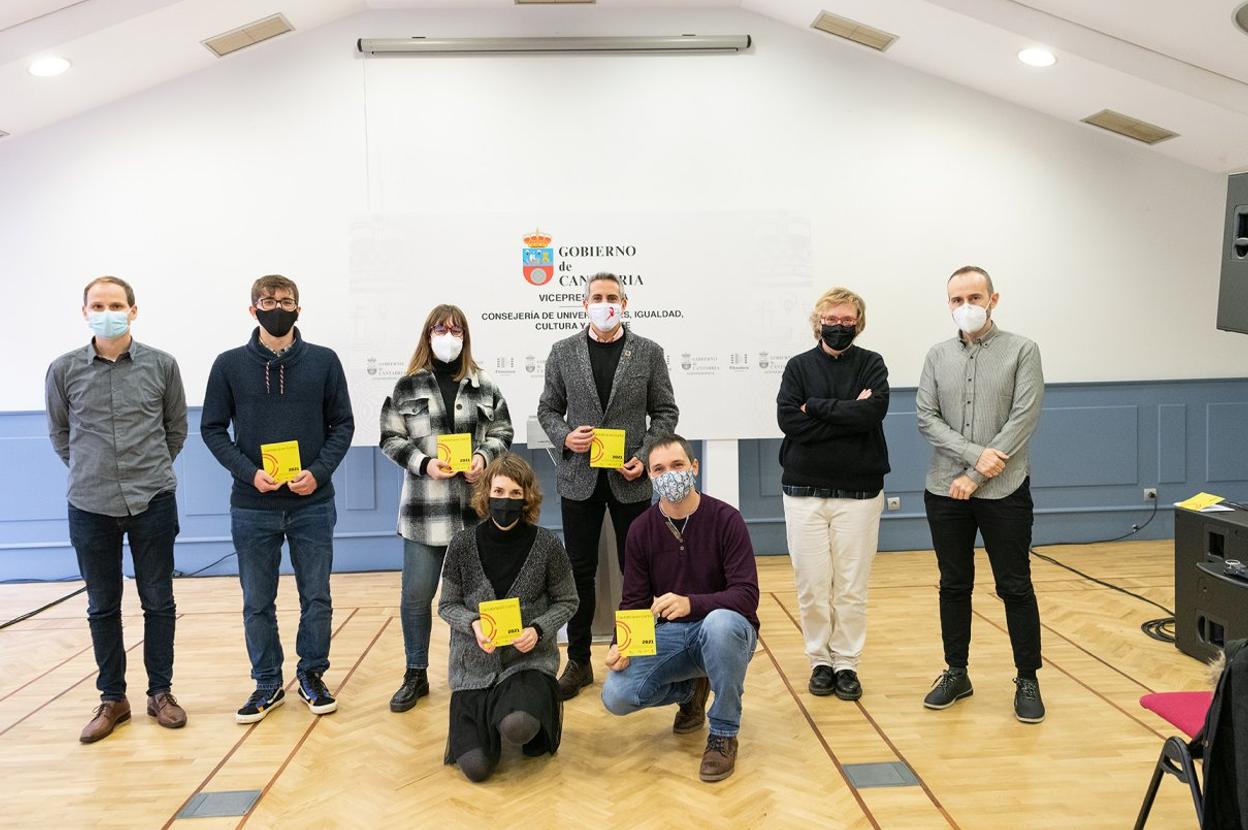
[422, 568]
[719, 647]
[258, 536]
[97, 542]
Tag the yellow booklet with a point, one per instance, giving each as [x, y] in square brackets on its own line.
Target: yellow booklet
[281, 460]
[456, 450]
[634, 633]
[500, 620]
[1200, 501]
[607, 449]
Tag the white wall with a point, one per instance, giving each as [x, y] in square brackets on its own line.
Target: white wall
[1105, 253]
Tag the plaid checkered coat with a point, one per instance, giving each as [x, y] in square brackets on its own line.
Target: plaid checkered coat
[432, 511]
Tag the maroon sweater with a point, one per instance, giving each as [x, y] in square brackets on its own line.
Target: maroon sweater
[715, 570]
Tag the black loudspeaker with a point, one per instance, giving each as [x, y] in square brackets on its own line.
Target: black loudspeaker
[1233, 295]
[1210, 606]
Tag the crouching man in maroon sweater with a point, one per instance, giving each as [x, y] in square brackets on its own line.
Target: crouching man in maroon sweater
[689, 561]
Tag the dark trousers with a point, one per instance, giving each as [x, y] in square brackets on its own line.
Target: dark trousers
[582, 526]
[258, 537]
[1006, 527]
[97, 542]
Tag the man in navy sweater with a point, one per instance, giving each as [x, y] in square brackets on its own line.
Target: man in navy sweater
[690, 562]
[831, 408]
[279, 388]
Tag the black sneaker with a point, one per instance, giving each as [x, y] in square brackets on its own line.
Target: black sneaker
[576, 676]
[1028, 707]
[312, 690]
[261, 702]
[847, 685]
[822, 681]
[949, 688]
[415, 686]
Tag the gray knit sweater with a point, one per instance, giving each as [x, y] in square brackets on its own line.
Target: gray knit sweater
[547, 596]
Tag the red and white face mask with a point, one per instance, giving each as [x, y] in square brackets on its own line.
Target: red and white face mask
[605, 316]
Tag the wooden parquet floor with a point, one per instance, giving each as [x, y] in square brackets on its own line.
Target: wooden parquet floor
[1085, 767]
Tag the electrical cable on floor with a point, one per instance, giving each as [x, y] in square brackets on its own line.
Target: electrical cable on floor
[177, 575]
[1162, 628]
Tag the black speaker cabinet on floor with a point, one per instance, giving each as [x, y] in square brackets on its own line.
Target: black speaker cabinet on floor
[1209, 606]
[1233, 295]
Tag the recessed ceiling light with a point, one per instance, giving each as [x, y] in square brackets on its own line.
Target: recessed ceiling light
[1037, 56]
[48, 67]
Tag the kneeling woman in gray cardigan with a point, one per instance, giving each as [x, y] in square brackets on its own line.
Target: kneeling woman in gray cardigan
[506, 692]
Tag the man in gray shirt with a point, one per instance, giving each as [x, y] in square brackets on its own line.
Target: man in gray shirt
[978, 403]
[117, 418]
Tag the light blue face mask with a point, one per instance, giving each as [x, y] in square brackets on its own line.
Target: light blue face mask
[675, 485]
[109, 324]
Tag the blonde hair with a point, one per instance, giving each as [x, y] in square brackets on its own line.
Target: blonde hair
[518, 470]
[834, 297]
[422, 358]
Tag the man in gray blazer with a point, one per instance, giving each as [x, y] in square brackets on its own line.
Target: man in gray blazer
[607, 377]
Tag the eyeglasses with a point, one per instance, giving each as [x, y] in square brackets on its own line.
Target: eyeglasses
[839, 321]
[454, 331]
[269, 303]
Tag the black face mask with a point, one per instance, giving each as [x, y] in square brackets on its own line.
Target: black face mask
[277, 322]
[506, 512]
[838, 338]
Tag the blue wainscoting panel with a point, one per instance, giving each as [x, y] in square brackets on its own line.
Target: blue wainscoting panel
[1228, 441]
[1171, 443]
[1097, 446]
[1086, 446]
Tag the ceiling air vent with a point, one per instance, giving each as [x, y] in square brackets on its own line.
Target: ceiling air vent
[249, 35]
[1116, 122]
[859, 33]
[553, 2]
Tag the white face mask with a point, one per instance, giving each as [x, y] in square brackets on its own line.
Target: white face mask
[605, 316]
[970, 317]
[446, 347]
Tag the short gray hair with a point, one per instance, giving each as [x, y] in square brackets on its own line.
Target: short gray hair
[606, 275]
[973, 269]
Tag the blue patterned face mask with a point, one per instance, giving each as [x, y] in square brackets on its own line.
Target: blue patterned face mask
[676, 485]
[109, 324]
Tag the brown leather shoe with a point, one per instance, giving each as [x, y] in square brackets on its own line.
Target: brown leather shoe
[719, 759]
[576, 676]
[107, 715]
[165, 709]
[690, 716]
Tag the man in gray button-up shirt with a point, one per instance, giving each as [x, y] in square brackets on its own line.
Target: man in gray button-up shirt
[978, 403]
[117, 418]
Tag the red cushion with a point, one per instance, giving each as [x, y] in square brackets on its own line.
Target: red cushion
[1186, 710]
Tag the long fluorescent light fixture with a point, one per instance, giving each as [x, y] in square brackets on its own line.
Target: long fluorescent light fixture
[478, 45]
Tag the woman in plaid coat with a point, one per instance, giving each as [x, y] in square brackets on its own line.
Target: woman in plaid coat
[443, 392]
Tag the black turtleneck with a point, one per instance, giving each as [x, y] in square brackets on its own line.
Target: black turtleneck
[604, 359]
[503, 552]
[445, 373]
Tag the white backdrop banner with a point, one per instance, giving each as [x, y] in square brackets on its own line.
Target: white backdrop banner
[726, 294]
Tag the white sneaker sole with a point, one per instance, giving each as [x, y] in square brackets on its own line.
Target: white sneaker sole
[324, 709]
[258, 716]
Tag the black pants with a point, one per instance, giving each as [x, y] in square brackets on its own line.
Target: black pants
[97, 541]
[1006, 527]
[582, 526]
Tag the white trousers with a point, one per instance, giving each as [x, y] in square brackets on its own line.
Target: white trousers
[832, 543]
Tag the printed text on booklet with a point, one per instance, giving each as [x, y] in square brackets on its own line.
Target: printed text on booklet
[281, 460]
[500, 620]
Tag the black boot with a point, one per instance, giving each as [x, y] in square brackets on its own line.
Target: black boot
[415, 686]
